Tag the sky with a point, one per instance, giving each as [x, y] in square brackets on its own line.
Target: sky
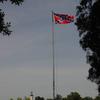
[26, 55]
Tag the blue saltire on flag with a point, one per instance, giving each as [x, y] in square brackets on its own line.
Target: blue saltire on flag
[62, 18]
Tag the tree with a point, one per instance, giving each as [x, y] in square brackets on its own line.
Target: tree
[19, 98]
[58, 97]
[97, 98]
[88, 24]
[87, 98]
[4, 26]
[74, 96]
[39, 98]
[49, 99]
[26, 98]
[11, 99]
[64, 98]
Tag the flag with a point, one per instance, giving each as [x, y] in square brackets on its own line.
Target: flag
[62, 18]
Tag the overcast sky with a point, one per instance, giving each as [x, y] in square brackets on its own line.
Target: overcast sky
[26, 55]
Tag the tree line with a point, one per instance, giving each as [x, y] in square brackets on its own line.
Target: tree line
[71, 96]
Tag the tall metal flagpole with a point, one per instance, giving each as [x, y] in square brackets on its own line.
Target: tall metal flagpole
[53, 57]
[53, 46]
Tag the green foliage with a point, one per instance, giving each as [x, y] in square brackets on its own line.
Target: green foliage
[64, 98]
[27, 98]
[11, 99]
[5, 26]
[49, 99]
[16, 2]
[19, 98]
[71, 96]
[97, 98]
[74, 96]
[87, 98]
[39, 98]
[88, 24]
[58, 97]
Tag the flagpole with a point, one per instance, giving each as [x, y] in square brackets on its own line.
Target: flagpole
[53, 57]
[59, 19]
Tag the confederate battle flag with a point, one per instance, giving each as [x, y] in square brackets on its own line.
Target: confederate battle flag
[62, 18]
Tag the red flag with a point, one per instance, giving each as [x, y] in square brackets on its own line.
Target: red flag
[62, 18]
